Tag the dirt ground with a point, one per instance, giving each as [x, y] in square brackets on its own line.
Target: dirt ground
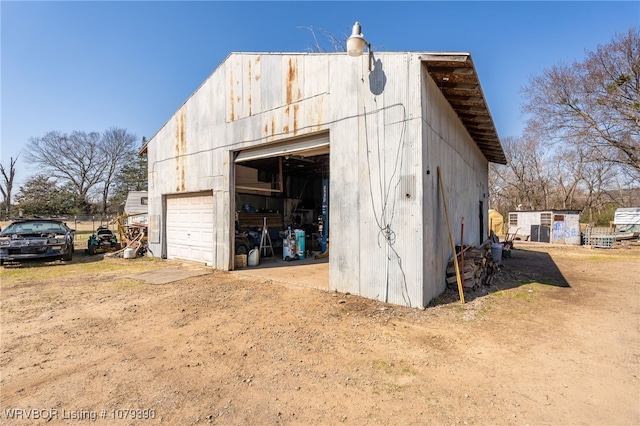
[555, 341]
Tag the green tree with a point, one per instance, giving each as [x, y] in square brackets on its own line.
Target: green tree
[133, 176]
[42, 196]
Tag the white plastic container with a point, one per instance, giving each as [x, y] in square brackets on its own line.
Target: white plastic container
[129, 253]
[254, 257]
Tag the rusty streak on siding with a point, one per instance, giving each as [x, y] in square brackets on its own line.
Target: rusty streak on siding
[232, 106]
[181, 149]
[249, 90]
[291, 75]
[257, 62]
[273, 127]
[285, 128]
[319, 112]
[292, 78]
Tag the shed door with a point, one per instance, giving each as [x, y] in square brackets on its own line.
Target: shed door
[190, 227]
[559, 229]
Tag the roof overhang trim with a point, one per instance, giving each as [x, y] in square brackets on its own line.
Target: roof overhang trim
[456, 77]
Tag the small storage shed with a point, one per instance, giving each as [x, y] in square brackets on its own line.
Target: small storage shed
[547, 226]
[339, 145]
[627, 219]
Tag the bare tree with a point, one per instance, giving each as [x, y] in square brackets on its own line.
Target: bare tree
[7, 185]
[595, 103]
[581, 146]
[597, 177]
[118, 149]
[76, 158]
[567, 171]
[335, 43]
[498, 199]
[524, 180]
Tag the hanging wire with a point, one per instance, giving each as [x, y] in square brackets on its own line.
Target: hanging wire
[385, 213]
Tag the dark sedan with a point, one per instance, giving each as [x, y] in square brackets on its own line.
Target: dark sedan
[36, 239]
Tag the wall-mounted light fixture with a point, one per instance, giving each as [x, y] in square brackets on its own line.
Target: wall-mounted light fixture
[356, 43]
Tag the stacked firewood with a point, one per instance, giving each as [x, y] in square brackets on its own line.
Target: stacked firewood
[477, 270]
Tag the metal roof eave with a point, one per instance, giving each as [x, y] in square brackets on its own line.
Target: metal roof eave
[456, 77]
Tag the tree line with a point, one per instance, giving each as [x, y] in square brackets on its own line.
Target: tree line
[79, 173]
[580, 149]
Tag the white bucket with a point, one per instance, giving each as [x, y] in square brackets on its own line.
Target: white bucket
[254, 257]
[129, 253]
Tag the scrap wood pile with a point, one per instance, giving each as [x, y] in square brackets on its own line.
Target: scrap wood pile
[479, 268]
[133, 238]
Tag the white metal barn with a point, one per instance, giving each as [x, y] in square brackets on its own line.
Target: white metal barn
[293, 136]
[547, 226]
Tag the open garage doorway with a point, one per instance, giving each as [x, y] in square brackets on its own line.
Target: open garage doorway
[281, 202]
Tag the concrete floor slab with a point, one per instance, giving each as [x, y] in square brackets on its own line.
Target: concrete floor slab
[310, 272]
[171, 274]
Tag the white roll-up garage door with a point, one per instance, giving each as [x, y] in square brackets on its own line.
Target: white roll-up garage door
[305, 147]
[190, 227]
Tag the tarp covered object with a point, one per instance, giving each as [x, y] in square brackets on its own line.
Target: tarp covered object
[496, 223]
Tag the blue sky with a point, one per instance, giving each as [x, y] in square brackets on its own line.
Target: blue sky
[93, 65]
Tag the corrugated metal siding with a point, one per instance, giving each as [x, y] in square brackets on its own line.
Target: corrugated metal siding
[390, 219]
[346, 252]
[464, 172]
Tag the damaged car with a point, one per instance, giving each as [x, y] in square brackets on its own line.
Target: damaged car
[36, 239]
